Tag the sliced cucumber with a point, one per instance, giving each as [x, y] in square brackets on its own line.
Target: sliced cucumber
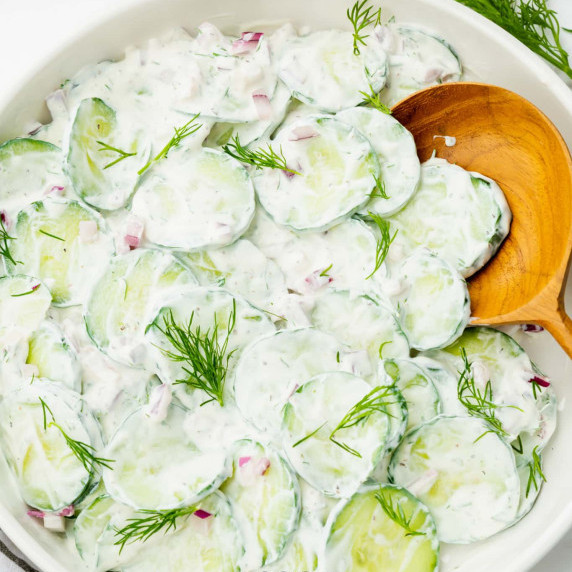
[50, 245]
[127, 297]
[50, 351]
[409, 67]
[28, 170]
[360, 321]
[195, 199]
[210, 545]
[158, 465]
[463, 217]
[395, 148]
[465, 474]
[336, 165]
[49, 475]
[265, 496]
[361, 535]
[300, 556]
[241, 268]
[24, 301]
[273, 367]
[398, 417]
[102, 162]
[420, 394]
[322, 70]
[313, 414]
[434, 307]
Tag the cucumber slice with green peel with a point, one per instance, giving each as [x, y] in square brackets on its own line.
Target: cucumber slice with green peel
[337, 167]
[465, 474]
[101, 161]
[301, 555]
[158, 465]
[386, 526]
[434, 307]
[50, 243]
[334, 458]
[195, 199]
[49, 475]
[409, 68]
[29, 169]
[322, 70]
[50, 351]
[265, 496]
[273, 367]
[212, 544]
[242, 268]
[360, 321]
[461, 216]
[496, 358]
[398, 417]
[207, 308]
[126, 298]
[24, 301]
[420, 394]
[395, 147]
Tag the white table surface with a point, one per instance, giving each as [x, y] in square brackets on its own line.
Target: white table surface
[29, 26]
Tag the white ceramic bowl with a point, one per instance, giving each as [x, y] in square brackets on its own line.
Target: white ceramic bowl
[489, 55]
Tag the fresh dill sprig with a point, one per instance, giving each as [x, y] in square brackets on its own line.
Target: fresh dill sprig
[381, 346]
[82, 451]
[51, 235]
[530, 21]
[376, 401]
[309, 436]
[517, 446]
[535, 468]
[326, 270]
[379, 190]
[372, 98]
[181, 133]
[141, 529]
[259, 158]
[109, 148]
[536, 387]
[205, 358]
[384, 242]
[396, 513]
[361, 17]
[5, 239]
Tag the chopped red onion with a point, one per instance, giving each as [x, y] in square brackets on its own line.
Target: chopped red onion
[33, 130]
[302, 132]
[132, 241]
[315, 281]
[263, 105]
[55, 190]
[251, 36]
[35, 287]
[248, 43]
[243, 461]
[289, 174]
[263, 465]
[531, 328]
[202, 514]
[539, 381]
[36, 514]
[67, 511]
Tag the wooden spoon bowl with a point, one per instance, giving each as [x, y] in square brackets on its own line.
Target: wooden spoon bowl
[503, 136]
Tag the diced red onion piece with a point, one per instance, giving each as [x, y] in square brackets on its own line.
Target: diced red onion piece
[302, 132]
[263, 105]
[36, 514]
[251, 36]
[67, 511]
[240, 47]
[88, 230]
[55, 190]
[531, 328]
[539, 381]
[243, 461]
[200, 513]
[263, 465]
[132, 241]
[315, 281]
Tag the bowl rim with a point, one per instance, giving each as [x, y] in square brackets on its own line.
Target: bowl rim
[549, 77]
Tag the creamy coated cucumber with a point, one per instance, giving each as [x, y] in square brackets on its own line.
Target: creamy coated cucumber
[211, 544]
[463, 217]
[127, 297]
[322, 70]
[24, 301]
[50, 351]
[29, 169]
[300, 555]
[409, 67]
[158, 465]
[496, 358]
[395, 148]
[49, 475]
[265, 496]
[64, 244]
[195, 199]
[384, 525]
[102, 162]
[422, 398]
[241, 268]
[362, 322]
[328, 442]
[336, 165]
[273, 367]
[465, 474]
[434, 306]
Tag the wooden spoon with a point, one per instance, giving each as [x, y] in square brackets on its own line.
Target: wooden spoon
[503, 136]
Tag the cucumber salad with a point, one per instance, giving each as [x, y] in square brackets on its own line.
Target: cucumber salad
[234, 316]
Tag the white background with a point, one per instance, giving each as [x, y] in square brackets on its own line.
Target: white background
[32, 27]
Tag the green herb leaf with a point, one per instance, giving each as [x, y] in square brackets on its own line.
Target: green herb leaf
[379, 190]
[396, 513]
[530, 21]
[372, 98]
[362, 16]
[383, 243]
[326, 270]
[309, 436]
[535, 468]
[30, 291]
[5, 239]
[51, 235]
[109, 148]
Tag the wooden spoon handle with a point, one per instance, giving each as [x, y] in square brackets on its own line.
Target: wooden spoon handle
[560, 326]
